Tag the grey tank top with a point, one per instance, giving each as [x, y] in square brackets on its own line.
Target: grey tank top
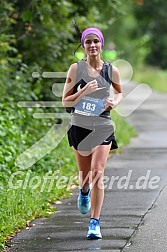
[104, 81]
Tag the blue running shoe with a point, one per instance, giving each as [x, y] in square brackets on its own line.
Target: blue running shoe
[84, 202]
[94, 230]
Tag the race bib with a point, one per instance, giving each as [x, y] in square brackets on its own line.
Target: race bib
[89, 106]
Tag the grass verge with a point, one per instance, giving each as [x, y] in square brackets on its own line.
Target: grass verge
[156, 78]
[124, 131]
[32, 193]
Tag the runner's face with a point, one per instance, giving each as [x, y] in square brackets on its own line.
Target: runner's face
[92, 45]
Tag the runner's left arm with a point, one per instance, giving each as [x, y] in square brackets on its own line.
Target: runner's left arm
[117, 90]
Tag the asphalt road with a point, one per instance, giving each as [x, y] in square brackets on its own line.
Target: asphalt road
[129, 200]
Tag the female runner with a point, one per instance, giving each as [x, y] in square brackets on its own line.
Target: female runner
[87, 93]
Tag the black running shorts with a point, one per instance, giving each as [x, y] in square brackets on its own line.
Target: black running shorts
[83, 139]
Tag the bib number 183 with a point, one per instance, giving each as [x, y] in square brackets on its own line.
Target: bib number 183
[89, 106]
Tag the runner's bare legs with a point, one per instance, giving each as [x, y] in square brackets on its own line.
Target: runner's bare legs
[94, 165]
[98, 162]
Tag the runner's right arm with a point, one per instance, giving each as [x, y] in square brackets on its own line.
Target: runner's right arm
[69, 99]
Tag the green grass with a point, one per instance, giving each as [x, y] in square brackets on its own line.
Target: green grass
[156, 78]
[32, 198]
[124, 131]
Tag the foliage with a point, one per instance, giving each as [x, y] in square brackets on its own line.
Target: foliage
[150, 18]
[139, 33]
[18, 205]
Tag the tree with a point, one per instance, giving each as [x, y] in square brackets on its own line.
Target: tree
[151, 16]
[39, 36]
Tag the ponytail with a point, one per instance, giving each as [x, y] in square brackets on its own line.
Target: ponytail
[79, 34]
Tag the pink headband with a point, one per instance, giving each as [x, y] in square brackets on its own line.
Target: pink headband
[92, 30]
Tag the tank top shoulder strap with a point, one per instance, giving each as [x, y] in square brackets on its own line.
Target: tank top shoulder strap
[107, 72]
[80, 70]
